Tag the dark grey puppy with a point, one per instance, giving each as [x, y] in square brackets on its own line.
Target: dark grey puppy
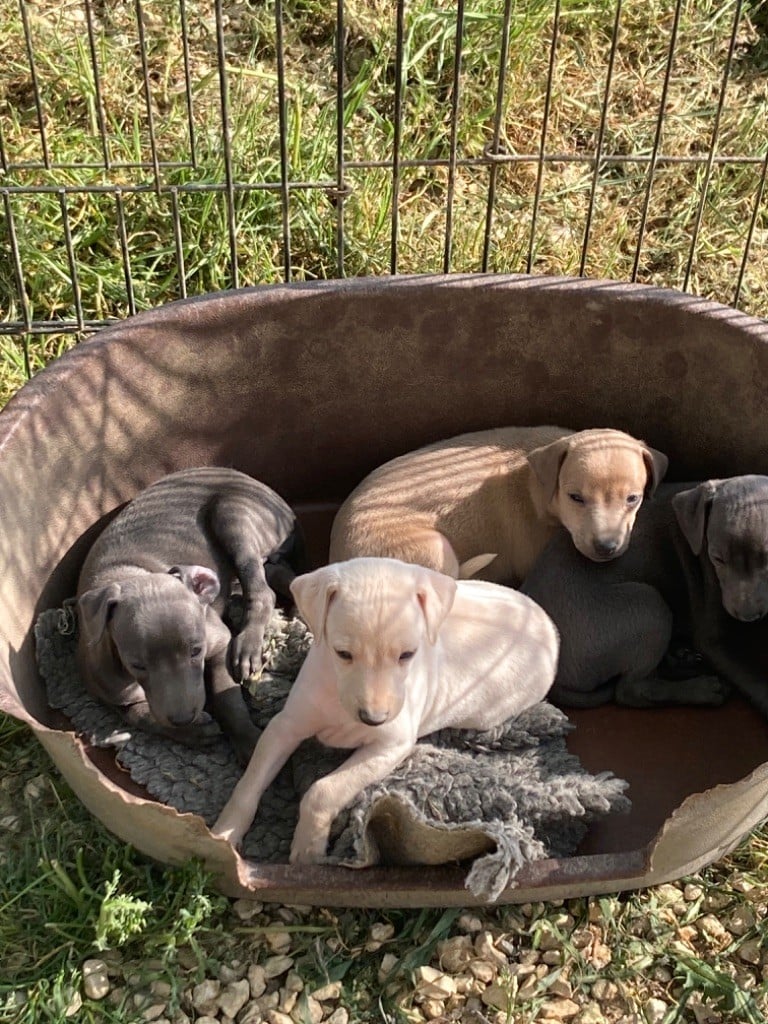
[696, 569]
[152, 591]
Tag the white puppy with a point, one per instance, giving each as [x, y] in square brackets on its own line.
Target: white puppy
[399, 651]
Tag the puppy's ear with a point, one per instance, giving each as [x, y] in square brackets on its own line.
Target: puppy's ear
[691, 508]
[656, 464]
[546, 462]
[95, 608]
[313, 593]
[203, 582]
[435, 593]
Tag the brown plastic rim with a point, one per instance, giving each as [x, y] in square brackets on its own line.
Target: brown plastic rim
[308, 387]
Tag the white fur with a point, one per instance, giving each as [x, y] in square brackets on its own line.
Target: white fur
[482, 654]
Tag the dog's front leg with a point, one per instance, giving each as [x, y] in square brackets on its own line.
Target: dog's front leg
[331, 794]
[275, 746]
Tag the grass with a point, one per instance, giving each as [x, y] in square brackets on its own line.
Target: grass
[68, 889]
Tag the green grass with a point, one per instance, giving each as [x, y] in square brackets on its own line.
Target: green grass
[68, 889]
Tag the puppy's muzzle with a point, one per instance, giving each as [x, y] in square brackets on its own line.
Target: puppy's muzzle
[605, 548]
[182, 718]
[377, 718]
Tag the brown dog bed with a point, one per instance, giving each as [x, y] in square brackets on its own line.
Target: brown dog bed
[310, 386]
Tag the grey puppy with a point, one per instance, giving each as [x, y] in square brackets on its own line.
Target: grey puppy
[696, 569]
[151, 595]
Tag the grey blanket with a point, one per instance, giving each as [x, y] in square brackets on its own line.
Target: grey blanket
[505, 797]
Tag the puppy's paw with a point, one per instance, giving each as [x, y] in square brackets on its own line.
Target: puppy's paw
[244, 743]
[245, 653]
[309, 843]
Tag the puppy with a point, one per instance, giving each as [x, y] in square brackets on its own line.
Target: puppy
[485, 504]
[152, 590]
[399, 651]
[697, 569]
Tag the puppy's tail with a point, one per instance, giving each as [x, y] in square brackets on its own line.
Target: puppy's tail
[472, 566]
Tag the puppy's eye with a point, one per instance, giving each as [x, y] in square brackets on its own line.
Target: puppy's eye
[344, 655]
[136, 666]
[633, 499]
[577, 498]
[196, 651]
[716, 559]
[406, 655]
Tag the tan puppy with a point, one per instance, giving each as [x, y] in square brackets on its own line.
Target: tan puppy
[399, 651]
[485, 504]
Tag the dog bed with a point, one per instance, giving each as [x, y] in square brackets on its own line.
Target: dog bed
[506, 797]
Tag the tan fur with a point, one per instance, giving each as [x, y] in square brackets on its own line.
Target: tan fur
[486, 503]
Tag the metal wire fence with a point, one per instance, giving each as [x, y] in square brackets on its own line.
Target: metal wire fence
[156, 148]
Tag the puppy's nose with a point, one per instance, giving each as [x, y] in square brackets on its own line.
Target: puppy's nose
[605, 548]
[368, 719]
[181, 718]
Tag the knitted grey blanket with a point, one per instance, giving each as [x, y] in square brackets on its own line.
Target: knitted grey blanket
[505, 797]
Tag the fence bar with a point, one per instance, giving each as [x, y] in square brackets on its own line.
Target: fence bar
[543, 140]
[97, 85]
[395, 164]
[148, 94]
[125, 253]
[712, 147]
[178, 242]
[285, 195]
[656, 140]
[751, 230]
[3, 160]
[73, 275]
[453, 137]
[600, 138]
[188, 83]
[19, 271]
[341, 185]
[226, 138]
[35, 83]
[493, 154]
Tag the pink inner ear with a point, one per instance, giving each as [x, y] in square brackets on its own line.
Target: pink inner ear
[204, 583]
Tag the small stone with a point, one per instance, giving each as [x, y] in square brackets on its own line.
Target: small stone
[269, 1001]
[287, 1000]
[153, 1012]
[327, 992]
[749, 951]
[553, 957]
[561, 987]
[246, 909]
[207, 1019]
[257, 980]
[433, 984]
[339, 1016]
[529, 988]
[180, 1017]
[529, 956]
[483, 971]
[231, 972]
[455, 953]
[276, 1017]
[204, 996]
[712, 928]
[470, 923]
[741, 921]
[559, 1009]
[279, 942]
[590, 1014]
[655, 1010]
[432, 1009]
[692, 892]
[96, 982]
[277, 965]
[486, 949]
[233, 998]
[704, 1014]
[662, 974]
[498, 997]
[716, 900]
[117, 995]
[161, 989]
[313, 1010]
[388, 962]
[382, 931]
[251, 1014]
[604, 991]
[549, 940]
